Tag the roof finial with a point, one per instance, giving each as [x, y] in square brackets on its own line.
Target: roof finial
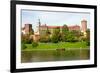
[39, 22]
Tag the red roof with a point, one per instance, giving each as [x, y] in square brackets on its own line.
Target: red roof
[54, 26]
[70, 27]
[76, 27]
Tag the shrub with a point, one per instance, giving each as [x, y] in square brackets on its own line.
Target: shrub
[72, 37]
[29, 41]
[65, 32]
[34, 44]
[26, 39]
[23, 46]
[55, 39]
[45, 39]
[88, 43]
[56, 35]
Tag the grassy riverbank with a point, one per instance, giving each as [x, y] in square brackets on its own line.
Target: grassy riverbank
[54, 46]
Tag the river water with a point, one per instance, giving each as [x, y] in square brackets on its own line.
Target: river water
[54, 55]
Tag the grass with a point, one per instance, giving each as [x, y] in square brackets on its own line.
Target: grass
[54, 46]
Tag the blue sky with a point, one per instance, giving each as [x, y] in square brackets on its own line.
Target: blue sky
[53, 18]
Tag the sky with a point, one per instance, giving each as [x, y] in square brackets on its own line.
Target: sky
[53, 18]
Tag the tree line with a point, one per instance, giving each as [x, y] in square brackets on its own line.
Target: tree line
[58, 35]
[65, 35]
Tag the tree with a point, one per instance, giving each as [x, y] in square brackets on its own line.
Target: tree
[65, 28]
[45, 39]
[26, 39]
[34, 44]
[56, 35]
[23, 46]
[77, 34]
[88, 37]
[71, 37]
[65, 31]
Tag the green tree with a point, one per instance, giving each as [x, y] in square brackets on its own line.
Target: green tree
[26, 39]
[56, 35]
[71, 37]
[65, 28]
[23, 46]
[64, 34]
[45, 39]
[34, 44]
[88, 37]
[77, 35]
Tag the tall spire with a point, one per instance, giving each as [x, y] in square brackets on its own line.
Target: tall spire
[39, 22]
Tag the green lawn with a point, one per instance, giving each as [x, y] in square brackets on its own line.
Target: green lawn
[54, 46]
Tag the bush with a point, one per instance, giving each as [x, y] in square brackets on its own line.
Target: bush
[88, 43]
[26, 39]
[71, 37]
[29, 41]
[23, 46]
[55, 39]
[34, 44]
[45, 39]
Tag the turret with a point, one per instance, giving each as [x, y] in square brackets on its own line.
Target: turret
[84, 25]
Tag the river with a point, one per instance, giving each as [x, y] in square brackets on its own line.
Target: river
[54, 55]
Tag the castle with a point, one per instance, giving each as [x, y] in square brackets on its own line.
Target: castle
[42, 29]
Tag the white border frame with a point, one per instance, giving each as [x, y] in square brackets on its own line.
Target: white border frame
[20, 65]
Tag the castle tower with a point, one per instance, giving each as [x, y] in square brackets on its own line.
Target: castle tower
[84, 25]
[28, 28]
[39, 22]
[39, 25]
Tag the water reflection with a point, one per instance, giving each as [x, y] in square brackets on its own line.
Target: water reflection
[54, 55]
